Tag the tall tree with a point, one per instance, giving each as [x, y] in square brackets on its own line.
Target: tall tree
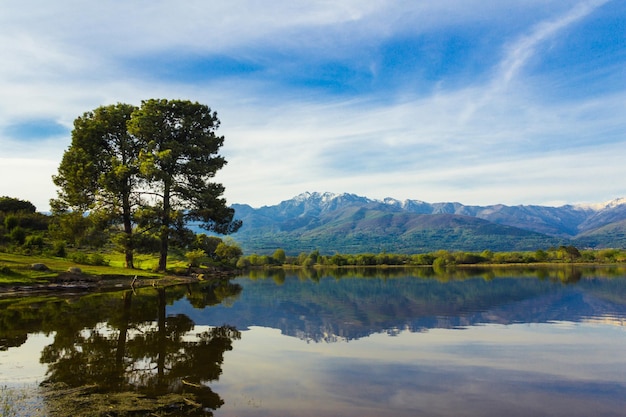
[178, 160]
[99, 170]
[15, 205]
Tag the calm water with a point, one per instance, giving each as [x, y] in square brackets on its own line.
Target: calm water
[369, 343]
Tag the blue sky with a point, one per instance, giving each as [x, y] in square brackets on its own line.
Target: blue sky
[475, 101]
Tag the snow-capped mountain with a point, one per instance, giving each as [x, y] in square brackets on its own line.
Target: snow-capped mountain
[368, 223]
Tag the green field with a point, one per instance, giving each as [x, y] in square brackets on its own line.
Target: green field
[17, 269]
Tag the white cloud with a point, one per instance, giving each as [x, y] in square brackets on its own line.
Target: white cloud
[487, 140]
[524, 48]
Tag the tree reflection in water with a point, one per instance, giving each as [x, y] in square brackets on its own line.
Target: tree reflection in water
[137, 360]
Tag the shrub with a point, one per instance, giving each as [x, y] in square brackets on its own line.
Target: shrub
[11, 222]
[79, 258]
[195, 257]
[18, 235]
[58, 249]
[279, 256]
[97, 259]
[34, 242]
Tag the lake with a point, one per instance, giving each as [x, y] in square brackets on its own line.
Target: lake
[371, 342]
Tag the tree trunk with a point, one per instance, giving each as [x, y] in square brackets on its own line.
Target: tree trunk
[129, 261]
[165, 229]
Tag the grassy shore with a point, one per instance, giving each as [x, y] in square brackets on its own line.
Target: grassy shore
[23, 274]
[18, 269]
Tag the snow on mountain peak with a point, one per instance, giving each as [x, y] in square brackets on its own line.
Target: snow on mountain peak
[603, 206]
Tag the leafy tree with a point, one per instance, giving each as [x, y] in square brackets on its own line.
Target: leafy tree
[279, 256]
[149, 167]
[74, 228]
[179, 157]
[99, 170]
[15, 205]
[195, 257]
[228, 252]
[207, 243]
[570, 252]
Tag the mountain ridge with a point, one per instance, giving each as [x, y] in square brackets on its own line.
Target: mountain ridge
[347, 222]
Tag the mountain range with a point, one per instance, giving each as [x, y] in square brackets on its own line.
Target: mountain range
[348, 223]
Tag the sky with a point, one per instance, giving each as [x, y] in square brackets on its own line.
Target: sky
[474, 101]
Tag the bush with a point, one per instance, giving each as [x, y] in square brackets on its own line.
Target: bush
[11, 222]
[58, 249]
[279, 256]
[97, 259]
[34, 242]
[195, 257]
[83, 258]
[243, 263]
[18, 235]
[80, 258]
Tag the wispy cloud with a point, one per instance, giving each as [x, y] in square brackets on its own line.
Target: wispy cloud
[518, 54]
[437, 101]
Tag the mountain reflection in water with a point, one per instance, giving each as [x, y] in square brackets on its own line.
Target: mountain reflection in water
[352, 343]
[328, 308]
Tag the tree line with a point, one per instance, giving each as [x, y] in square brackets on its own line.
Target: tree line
[134, 177]
[437, 259]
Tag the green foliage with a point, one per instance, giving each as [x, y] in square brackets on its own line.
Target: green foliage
[18, 235]
[242, 263]
[228, 252]
[83, 258]
[195, 257]
[422, 259]
[98, 173]
[443, 258]
[143, 171]
[22, 229]
[174, 153]
[15, 205]
[279, 256]
[97, 259]
[11, 222]
[78, 230]
[541, 255]
[207, 244]
[58, 249]
[34, 243]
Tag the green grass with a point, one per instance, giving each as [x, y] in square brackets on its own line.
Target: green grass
[146, 262]
[16, 269]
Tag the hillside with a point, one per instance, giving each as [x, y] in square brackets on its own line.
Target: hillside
[348, 223]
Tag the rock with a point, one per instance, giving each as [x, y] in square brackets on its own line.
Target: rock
[39, 267]
[74, 270]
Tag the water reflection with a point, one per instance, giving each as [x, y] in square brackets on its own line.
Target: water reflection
[387, 342]
[122, 354]
[326, 306]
